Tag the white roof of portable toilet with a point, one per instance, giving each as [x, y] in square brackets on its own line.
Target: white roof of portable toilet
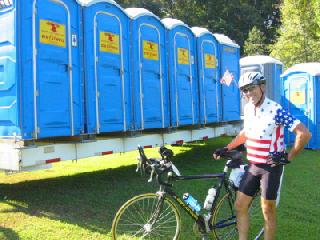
[311, 68]
[259, 59]
[137, 12]
[199, 31]
[90, 2]
[223, 39]
[172, 22]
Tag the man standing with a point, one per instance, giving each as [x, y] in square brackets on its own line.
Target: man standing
[263, 134]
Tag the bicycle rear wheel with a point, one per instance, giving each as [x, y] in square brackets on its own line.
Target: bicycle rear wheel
[147, 217]
[224, 219]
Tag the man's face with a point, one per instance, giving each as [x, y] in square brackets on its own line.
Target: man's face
[253, 93]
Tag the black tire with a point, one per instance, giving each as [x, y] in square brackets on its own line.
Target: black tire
[225, 210]
[136, 219]
[224, 214]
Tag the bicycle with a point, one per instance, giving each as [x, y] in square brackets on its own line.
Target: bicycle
[156, 215]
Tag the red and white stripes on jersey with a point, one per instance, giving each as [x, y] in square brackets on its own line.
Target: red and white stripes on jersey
[258, 149]
[264, 129]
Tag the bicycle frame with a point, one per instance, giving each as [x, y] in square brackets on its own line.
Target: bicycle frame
[199, 219]
[203, 221]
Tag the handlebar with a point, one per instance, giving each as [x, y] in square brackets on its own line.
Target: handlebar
[234, 157]
[157, 166]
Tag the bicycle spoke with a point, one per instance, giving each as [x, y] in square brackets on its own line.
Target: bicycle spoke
[145, 218]
[224, 219]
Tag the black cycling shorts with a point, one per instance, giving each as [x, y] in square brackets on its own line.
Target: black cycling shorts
[261, 176]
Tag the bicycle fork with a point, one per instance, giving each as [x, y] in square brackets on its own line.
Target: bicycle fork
[260, 234]
[153, 219]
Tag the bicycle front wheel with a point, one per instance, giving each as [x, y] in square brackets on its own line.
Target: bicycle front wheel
[224, 219]
[147, 216]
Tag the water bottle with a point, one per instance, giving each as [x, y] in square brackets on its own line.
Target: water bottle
[236, 175]
[192, 203]
[210, 198]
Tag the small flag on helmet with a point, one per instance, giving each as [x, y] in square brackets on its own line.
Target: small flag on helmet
[227, 78]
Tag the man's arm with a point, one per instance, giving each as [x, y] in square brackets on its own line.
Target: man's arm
[238, 140]
[302, 138]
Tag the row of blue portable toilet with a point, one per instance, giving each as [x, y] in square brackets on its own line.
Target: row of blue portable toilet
[126, 84]
[40, 69]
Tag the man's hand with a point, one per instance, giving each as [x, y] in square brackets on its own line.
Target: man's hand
[276, 159]
[219, 152]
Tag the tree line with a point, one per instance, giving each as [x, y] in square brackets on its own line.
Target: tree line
[286, 29]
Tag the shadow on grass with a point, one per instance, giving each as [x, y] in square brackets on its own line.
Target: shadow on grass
[91, 199]
[7, 233]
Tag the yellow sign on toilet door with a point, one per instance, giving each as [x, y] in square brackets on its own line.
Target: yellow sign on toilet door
[298, 97]
[109, 42]
[183, 56]
[52, 33]
[210, 61]
[150, 50]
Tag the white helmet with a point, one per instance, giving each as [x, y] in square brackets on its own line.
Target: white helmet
[251, 78]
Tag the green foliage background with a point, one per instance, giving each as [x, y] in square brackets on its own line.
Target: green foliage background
[289, 30]
[234, 18]
[299, 39]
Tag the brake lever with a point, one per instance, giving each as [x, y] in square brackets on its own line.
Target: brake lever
[138, 164]
[151, 174]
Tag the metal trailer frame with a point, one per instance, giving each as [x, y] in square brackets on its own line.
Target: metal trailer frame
[16, 156]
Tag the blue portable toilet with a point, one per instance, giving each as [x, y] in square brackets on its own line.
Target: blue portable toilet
[208, 75]
[301, 96]
[230, 73]
[107, 74]
[180, 42]
[270, 67]
[149, 70]
[40, 69]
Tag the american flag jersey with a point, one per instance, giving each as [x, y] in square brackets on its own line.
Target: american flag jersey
[264, 129]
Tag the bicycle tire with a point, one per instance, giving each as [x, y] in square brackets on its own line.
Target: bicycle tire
[224, 211]
[132, 221]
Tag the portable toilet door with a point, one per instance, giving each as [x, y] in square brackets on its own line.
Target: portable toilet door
[180, 43]
[230, 73]
[107, 79]
[271, 68]
[300, 97]
[208, 76]
[149, 76]
[42, 63]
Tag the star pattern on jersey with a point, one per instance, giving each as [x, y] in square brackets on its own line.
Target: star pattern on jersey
[284, 118]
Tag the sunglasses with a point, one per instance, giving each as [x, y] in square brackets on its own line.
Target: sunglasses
[248, 89]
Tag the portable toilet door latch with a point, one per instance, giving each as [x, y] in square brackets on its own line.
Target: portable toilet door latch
[307, 112]
[74, 41]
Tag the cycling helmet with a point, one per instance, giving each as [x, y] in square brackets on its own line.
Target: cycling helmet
[250, 79]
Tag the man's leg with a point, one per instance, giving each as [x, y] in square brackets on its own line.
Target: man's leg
[242, 205]
[269, 214]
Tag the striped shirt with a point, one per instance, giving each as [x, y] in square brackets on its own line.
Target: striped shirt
[264, 129]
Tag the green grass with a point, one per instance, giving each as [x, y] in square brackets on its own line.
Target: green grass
[79, 200]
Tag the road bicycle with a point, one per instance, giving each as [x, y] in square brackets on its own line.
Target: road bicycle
[156, 215]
